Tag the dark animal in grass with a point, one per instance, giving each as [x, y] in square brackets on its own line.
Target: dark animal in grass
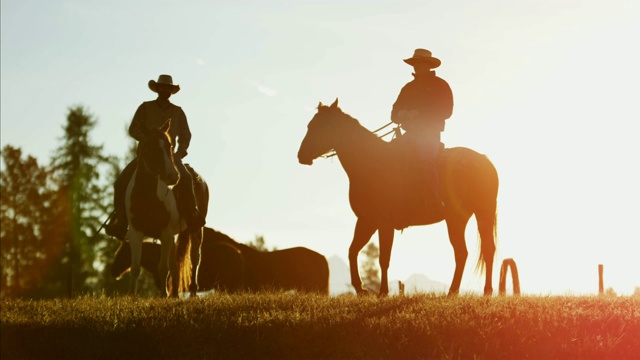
[232, 266]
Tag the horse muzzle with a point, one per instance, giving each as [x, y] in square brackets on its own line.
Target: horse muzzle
[305, 160]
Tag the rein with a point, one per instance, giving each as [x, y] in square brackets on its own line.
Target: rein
[395, 131]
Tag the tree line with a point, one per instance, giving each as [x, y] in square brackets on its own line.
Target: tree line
[51, 215]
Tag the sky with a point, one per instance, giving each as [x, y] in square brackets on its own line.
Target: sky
[547, 89]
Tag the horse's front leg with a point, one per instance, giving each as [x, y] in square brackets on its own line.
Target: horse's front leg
[135, 242]
[196, 257]
[168, 264]
[385, 238]
[361, 236]
[456, 228]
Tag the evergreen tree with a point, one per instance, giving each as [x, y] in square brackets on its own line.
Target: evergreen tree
[260, 244]
[77, 166]
[369, 268]
[27, 214]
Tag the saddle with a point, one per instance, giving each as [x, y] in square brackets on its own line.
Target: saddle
[414, 199]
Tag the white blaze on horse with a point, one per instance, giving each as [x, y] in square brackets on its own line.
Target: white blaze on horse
[152, 212]
[381, 192]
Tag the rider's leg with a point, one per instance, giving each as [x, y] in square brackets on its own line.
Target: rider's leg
[188, 206]
[117, 226]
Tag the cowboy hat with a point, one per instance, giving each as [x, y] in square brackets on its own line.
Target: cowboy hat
[163, 80]
[422, 56]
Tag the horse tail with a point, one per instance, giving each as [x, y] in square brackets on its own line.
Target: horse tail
[486, 212]
[183, 255]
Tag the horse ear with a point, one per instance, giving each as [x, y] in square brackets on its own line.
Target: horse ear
[165, 127]
[320, 104]
[335, 104]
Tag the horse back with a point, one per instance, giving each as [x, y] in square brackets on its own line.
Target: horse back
[469, 178]
[301, 269]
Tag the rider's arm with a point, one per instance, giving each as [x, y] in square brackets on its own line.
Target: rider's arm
[407, 106]
[184, 134]
[135, 129]
[442, 100]
[398, 111]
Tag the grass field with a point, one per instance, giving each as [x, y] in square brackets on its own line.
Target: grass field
[254, 326]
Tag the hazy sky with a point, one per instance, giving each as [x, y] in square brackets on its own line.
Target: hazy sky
[548, 90]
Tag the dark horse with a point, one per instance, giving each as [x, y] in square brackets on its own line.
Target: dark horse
[222, 267]
[231, 266]
[152, 212]
[377, 184]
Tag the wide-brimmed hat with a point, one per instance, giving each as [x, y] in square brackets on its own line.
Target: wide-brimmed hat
[423, 56]
[164, 80]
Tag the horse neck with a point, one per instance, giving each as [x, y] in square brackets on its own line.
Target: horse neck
[357, 146]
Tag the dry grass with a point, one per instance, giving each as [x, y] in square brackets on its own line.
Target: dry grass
[270, 325]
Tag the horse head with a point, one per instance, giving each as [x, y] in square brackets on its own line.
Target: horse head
[320, 138]
[155, 152]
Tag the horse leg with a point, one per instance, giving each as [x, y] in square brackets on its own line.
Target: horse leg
[456, 228]
[135, 243]
[361, 236]
[486, 228]
[196, 257]
[385, 238]
[166, 250]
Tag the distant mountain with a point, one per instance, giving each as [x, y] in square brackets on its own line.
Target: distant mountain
[340, 281]
[419, 283]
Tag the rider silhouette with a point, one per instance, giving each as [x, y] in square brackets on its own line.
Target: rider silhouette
[152, 115]
[421, 109]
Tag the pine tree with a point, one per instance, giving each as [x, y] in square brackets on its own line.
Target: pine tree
[78, 165]
[260, 244]
[369, 268]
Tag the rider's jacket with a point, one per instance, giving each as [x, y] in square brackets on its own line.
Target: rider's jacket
[150, 115]
[423, 104]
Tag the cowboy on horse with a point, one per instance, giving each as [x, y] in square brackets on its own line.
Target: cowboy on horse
[421, 109]
[149, 116]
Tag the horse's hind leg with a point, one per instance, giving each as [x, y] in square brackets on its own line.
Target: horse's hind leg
[385, 236]
[196, 257]
[135, 242]
[361, 236]
[486, 228]
[456, 227]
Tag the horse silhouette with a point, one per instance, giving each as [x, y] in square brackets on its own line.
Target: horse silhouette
[152, 213]
[380, 186]
[231, 266]
[221, 268]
